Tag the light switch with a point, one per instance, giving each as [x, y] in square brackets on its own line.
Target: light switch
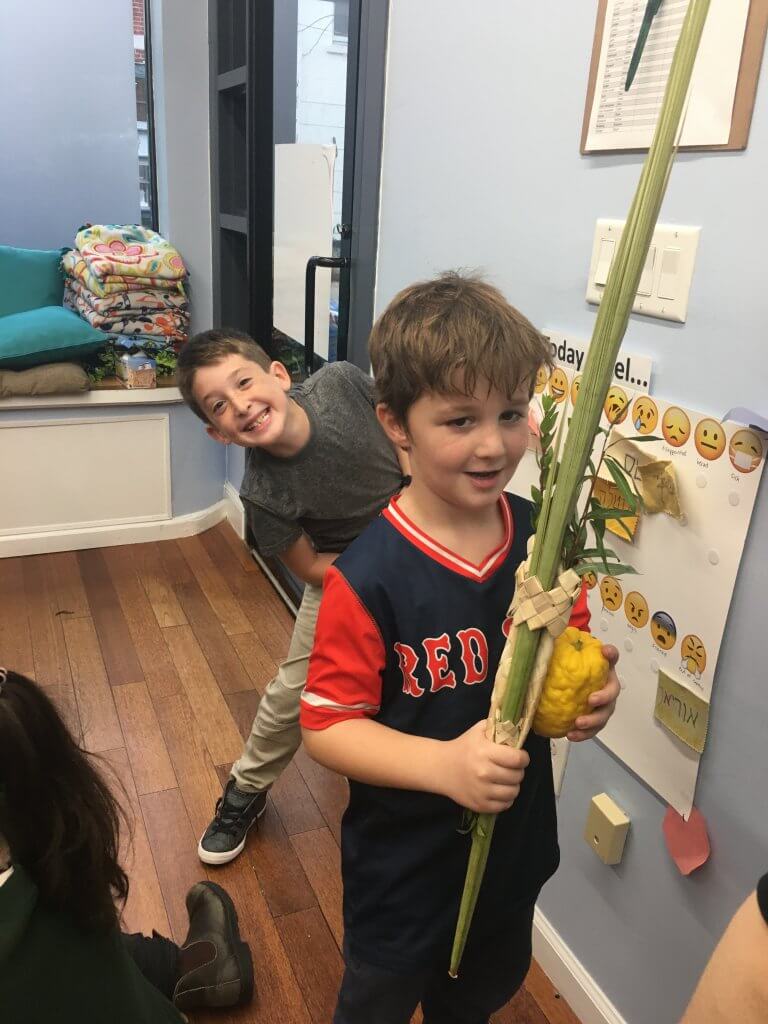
[665, 281]
[606, 829]
[604, 260]
[646, 278]
[668, 277]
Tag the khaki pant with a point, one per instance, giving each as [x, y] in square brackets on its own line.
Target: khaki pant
[276, 734]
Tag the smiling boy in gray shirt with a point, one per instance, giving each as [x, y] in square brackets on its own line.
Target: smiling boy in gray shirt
[318, 468]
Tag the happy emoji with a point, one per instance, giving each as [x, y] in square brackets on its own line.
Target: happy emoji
[611, 593]
[709, 437]
[745, 451]
[558, 384]
[675, 426]
[636, 609]
[694, 657]
[589, 580]
[663, 630]
[616, 405]
[575, 388]
[542, 375]
[645, 415]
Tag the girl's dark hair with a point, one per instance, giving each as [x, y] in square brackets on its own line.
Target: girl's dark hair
[57, 815]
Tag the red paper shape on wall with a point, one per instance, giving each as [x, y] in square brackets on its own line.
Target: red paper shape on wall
[687, 841]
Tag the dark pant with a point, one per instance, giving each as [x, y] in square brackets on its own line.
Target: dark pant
[157, 958]
[491, 972]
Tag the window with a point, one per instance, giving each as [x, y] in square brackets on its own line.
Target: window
[340, 19]
[142, 57]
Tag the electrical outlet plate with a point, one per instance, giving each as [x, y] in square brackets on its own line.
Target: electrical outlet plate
[666, 278]
[606, 829]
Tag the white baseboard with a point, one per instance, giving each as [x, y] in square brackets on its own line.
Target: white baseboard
[235, 511]
[569, 976]
[108, 536]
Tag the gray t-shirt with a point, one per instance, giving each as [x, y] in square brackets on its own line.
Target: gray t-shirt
[338, 482]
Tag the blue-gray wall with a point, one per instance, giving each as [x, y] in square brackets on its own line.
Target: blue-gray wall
[67, 119]
[481, 168]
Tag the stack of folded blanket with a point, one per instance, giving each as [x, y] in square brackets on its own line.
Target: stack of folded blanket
[127, 280]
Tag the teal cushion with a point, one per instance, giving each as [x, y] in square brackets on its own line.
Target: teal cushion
[29, 279]
[50, 335]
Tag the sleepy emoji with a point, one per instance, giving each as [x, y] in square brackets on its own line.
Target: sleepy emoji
[645, 415]
[675, 426]
[616, 404]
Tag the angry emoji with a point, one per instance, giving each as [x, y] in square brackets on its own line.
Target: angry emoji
[558, 385]
[636, 609]
[663, 630]
[709, 438]
[745, 451]
[611, 593]
[675, 426]
[694, 657]
[645, 415]
[589, 580]
[616, 404]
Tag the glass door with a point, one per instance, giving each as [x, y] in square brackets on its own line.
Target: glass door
[312, 72]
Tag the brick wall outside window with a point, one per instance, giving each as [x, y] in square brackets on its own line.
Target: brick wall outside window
[138, 17]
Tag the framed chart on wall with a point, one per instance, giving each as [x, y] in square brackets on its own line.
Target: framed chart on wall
[621, 119]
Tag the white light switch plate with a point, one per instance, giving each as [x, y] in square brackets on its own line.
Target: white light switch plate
[666, 279]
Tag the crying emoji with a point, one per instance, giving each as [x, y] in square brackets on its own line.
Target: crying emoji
[645, 415]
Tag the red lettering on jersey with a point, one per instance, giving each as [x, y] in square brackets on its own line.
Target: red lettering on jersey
[409, 659]
[474, 655]
[437, 648]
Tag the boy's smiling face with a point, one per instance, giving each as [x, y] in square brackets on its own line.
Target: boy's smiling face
[245, 404]
[463, 449]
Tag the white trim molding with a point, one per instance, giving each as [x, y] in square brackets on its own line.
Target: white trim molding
[235, 510]
[98, 397]
[108, 536]
[569, 976]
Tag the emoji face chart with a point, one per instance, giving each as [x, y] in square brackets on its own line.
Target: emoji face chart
[636, 609]
[669, 617]
[745, 451]
[645, 415]
[675, 426]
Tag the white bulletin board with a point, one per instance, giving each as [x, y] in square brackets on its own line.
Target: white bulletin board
[671, 616]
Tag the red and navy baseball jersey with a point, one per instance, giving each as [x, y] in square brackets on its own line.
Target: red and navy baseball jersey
[410, 635]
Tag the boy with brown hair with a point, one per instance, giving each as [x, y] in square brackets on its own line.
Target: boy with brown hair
[408, 639]
[318, 468]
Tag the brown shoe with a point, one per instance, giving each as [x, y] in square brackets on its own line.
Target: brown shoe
[215, 964]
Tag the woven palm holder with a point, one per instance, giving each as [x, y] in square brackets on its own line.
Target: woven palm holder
[549, 610]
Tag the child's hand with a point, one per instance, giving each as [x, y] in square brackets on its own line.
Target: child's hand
[602, 701]
[480, 775]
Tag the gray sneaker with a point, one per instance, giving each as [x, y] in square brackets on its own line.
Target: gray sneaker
[236, 812]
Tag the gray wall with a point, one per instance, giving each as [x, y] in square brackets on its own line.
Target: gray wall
[481, 169]
[67, 120]
[181, 77]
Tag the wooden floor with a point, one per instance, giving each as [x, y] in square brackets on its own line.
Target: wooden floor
[156, 654]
